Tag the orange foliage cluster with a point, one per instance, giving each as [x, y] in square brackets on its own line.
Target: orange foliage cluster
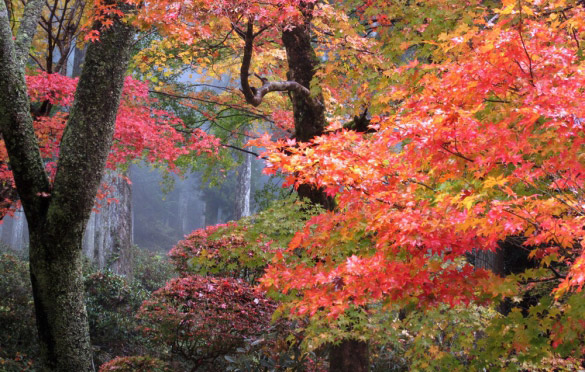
[485, 145]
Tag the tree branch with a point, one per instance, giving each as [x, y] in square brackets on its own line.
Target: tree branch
[89, 133]
[240, 149]
[27, 29]
[217, 103]
[254, 95]
[16, 122]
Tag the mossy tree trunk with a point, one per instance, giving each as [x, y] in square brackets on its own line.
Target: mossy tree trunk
[57, 214]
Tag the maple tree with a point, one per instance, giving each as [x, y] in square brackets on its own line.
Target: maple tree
[142, 131]
[473, 150]
[203, 318]
[466, 135]
[237, 252]
[57, 212]
[327, 62]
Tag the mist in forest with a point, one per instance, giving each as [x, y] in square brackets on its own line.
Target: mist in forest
[161, 208]
[167, 207]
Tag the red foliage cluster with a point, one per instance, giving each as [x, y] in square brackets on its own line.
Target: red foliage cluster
[203, 318]
[223, 250]
[141, 131]
[449, 173]
[134, 363]
[199, 243]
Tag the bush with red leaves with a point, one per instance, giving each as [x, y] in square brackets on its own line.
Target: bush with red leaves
[134, 364]
[203, 318]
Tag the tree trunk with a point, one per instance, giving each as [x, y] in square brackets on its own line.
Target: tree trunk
[108, 236]
[58, 293]
[211, 212]
[78, 58]
[511, 257]
[243, 188]
[57, 214]
[349, 355]
[309, 118]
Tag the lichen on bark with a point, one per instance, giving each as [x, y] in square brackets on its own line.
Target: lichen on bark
[57, 215]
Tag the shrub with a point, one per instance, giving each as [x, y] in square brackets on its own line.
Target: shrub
[135, 364]
[242, 249]
[152, 269]
[18, 335]
[217, 250]
[201, 319]
[112, 304]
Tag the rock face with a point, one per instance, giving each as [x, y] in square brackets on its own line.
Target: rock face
[107, 241]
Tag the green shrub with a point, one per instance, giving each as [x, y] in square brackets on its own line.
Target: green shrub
[18, 335]
[152, 269]
[111, 304]
[242, 249]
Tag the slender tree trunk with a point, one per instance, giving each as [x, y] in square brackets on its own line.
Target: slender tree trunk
[78, 58]
[243, 188]
[309, 117]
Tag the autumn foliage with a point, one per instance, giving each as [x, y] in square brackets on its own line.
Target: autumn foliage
[143, 132]
[483, 146]
[134, 363]
[473, 137]
[203, 318]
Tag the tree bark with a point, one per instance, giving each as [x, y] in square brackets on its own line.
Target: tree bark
[57, 215]
[349, 355]
[309, 118]
[108, 236]
[243, 188]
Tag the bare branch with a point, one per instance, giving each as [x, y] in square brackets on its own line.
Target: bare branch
[237, 107]
[240, 149]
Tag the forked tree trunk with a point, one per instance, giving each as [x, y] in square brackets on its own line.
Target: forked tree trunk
[57, 214]
[58, 290]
